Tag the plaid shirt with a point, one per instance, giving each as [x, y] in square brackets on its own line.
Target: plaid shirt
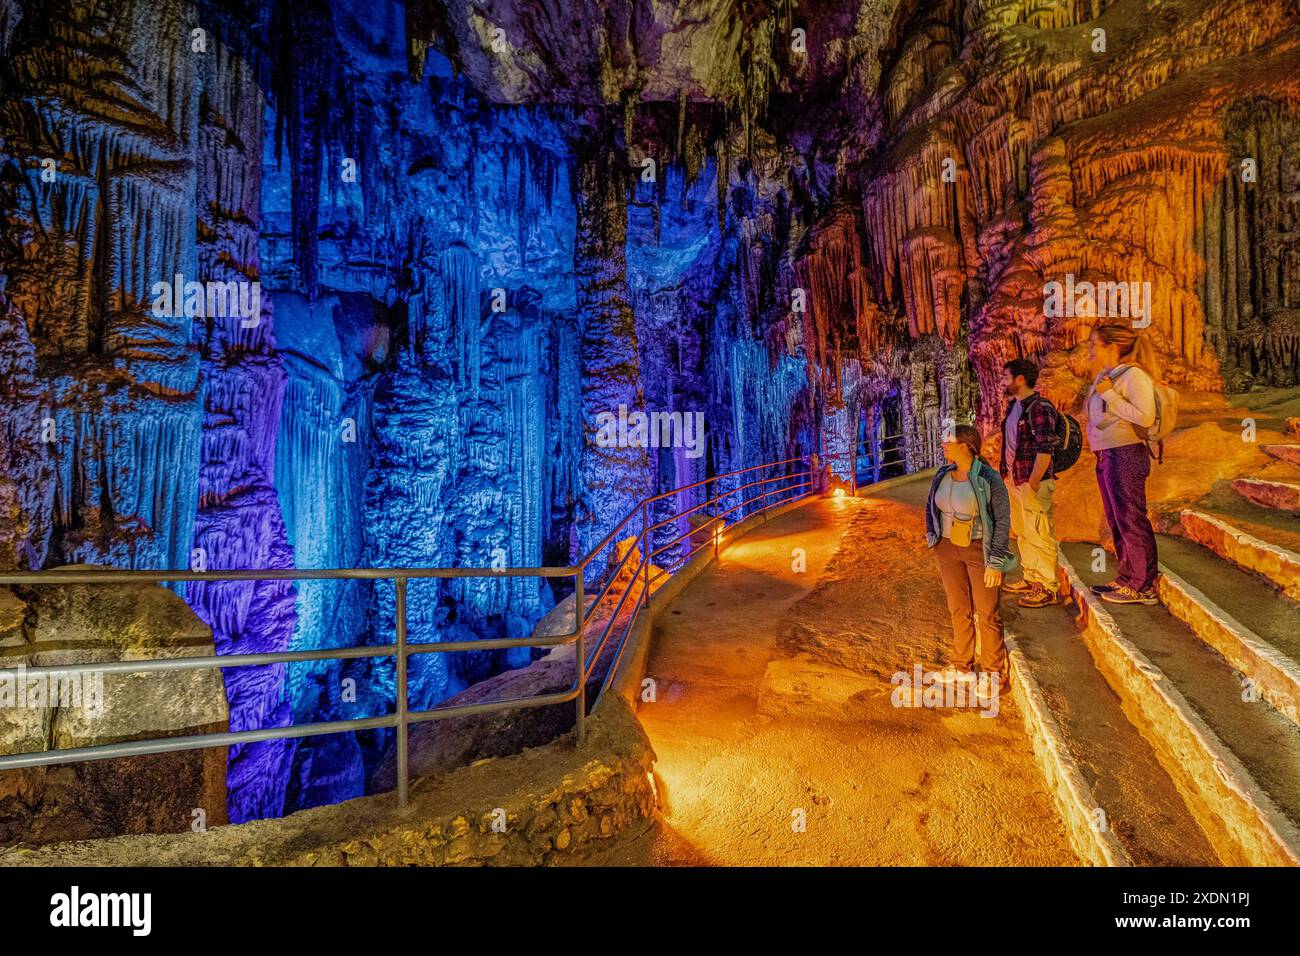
[1035, 435]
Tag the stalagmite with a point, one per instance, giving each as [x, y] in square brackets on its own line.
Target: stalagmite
[614, 477]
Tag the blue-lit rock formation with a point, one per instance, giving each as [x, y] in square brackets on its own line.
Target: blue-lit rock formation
[95, 212]
[614, 476]
[239, 522]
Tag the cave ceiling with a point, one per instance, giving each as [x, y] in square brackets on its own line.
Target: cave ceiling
[589, 52]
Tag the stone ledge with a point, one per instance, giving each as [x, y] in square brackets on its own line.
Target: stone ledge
[1270, 561]
[1279, 495]
[1277, 677]
[1070, 791]
[554, 801]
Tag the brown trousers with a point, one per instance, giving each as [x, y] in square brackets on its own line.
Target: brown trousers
[962, 571]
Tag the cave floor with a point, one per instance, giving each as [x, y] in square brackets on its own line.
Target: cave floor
[773, 708]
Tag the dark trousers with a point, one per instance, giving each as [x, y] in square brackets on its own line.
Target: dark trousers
[962, 571]
[1122, 475]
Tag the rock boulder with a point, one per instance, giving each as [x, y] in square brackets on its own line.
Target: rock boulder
[157, 793]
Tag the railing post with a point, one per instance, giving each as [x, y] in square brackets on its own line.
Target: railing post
[875, 449]
[403, 755]
[580, 656]
[645, 551]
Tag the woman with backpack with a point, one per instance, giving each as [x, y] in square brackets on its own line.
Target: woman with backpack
[968, 524]
[1121, 406]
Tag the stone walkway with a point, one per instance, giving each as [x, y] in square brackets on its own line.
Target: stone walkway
[777, 739]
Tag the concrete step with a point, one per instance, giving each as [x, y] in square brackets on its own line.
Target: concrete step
[1272, 525]
[1287, 453]
[1239, 615]
[1242, 547]
[1267, 493]
[1236, 763]
[1088, 746]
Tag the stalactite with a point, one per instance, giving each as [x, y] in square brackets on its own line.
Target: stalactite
[26, 473]
[310, 99]
[1252, 254]
[838, 292]
[1129, 196]
[460, 280]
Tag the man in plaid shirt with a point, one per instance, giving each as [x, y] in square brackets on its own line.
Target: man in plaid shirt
[1028, 440]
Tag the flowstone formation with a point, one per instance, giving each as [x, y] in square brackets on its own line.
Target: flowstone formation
[335, 284]
[1126, 143]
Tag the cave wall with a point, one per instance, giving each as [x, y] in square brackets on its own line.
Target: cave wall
[100, 199]
[1024, 143]
[474, 232]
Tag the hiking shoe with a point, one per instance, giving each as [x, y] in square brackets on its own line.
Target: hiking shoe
[951, 674]
[1123, 594]
[1017, 587]
[1039, 596]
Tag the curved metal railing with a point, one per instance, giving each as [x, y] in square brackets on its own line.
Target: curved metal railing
[600, 657]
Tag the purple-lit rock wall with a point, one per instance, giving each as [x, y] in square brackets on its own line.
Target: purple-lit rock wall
[239, 522]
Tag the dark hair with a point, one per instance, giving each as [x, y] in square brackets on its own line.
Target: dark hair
[969, 436]
[1022, 366]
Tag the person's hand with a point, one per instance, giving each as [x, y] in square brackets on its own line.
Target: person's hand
[992, 578]
[1034, 483]
[1104, 385]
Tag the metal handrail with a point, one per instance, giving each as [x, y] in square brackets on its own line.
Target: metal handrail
[854, 453]
[648, 552]
[403, 716]
[645, 564]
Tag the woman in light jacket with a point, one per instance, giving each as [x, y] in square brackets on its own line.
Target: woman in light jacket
[968, 524]
[1123, 396]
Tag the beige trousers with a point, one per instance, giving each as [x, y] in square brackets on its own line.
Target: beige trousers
[1031, 520]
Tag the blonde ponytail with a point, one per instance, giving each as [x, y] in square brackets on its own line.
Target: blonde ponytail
[1135, 348]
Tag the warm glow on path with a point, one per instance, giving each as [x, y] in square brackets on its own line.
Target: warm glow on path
[773, 708]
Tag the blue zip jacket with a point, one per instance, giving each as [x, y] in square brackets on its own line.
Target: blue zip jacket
[995, 515]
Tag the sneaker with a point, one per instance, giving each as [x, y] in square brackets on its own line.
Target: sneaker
[1123, 594]
[985, 694]
[1150, 596]
[1039, 596]
[951, 674]
[1017, 587]
[1102, 588]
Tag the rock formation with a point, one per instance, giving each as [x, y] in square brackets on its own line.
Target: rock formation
[476, 228]
[155, 793]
